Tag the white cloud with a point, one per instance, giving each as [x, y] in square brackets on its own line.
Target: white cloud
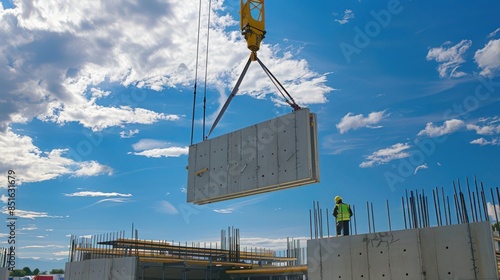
[489, 129]
[348, 15]
[354, 122]
[383, 156]
[483, 142]
[268, 243]
[54, 60]
[450, 58]
[448, 127]
[34, 165]
[423, 166]
[98, 194]
[128, 134]
[488, 58]
[494, 33]
[29, 214]
[164, 152]
[148, 144]
[491, 211]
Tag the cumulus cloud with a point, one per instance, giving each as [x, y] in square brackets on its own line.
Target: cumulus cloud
[54, 60]
[348, 15]
[129, 134]
[483, 142]
[488, 58]
[97, 194]
[383, 156]
[354, 122]
[450, 58]
[448, 127]
[34, 165]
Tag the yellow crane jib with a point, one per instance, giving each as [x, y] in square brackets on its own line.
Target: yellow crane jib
[252, 23]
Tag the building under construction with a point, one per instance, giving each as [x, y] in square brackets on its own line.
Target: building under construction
[459, 243]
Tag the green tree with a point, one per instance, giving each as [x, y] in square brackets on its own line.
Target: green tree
[18, 272]
[57, 271]
[36, 271]
[496, 227]
[27, 270]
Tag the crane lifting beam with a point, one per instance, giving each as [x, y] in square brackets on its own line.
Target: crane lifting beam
[252, 24]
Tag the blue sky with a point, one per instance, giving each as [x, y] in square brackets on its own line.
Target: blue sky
[96, 100]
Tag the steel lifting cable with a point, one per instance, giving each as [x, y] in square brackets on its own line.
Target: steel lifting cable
[276, 83]
[206, 68]
[196, 72]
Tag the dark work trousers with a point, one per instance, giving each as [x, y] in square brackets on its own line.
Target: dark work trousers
[343, 227]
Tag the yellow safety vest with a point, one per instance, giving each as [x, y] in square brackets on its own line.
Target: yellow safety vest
[343, 212]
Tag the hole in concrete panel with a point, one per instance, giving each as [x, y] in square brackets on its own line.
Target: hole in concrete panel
[446, 247]
[362, 276]
[360, 253]
[338, 255]
[406, 274]
[381, 252]
[404, 250]
[449, 272]
[383, 275]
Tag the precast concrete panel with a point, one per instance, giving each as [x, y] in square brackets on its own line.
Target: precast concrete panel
[404, 254]
[428, 253]
[123, 269]
[453, 252]
[272, 155]
[285, 128]
[99, 269]
[378, 255]
[219, 166]
[314, 262]
[235, 163]
[201, 164]
[484, 252]
[267, 157]
[359, 257]
[340, 258]
[249, 159]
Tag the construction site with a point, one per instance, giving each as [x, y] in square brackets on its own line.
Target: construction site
[445, 236]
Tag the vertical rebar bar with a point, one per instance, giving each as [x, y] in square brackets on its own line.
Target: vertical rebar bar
[478, 199]
[355, 224]
[388, 215]
[310, 224]
[373, 218]
[486, 214]
[368, 211]
[494, 205]
[327, 221]
[404, 211]
[470, 199]
[435, 207]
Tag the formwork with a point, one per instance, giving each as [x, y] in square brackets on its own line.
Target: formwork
[463, 251]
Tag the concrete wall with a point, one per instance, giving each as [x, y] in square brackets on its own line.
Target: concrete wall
[463, 251]
[4, 273]
[102, 269]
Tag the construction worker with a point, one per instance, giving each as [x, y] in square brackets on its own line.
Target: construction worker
[342, 213]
